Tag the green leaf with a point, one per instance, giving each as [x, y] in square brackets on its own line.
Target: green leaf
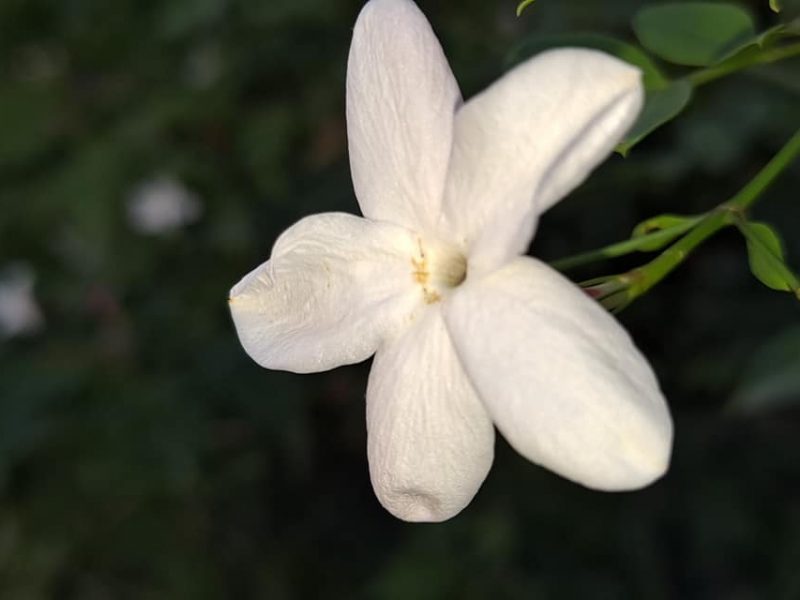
[523, 5]
[773, 35]
[775, 5]
[652, 77]
[673, 226]
[771, 378]
[789, 11]
[660, 106]
[696, 34]
[758, 42]
[761, 41]
[765, 251]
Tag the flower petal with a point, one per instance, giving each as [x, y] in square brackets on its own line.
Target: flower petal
[528, 140]
[401, 98]
[560, 377]
[431, 442]
[334, 286]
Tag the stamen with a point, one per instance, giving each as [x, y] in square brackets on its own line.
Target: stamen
[437, 268]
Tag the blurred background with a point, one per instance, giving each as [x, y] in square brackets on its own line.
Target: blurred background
[150, 153]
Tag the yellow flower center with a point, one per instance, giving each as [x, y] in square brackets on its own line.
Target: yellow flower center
[437, 267]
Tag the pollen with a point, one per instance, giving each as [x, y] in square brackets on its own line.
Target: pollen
[420, 273]
[436, 268]
[430, 297]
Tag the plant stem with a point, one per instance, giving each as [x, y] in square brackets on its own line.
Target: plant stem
[704, 76]
[752, 191]
[624, 247]
[725, 214]
[739, 203]
[653, 272]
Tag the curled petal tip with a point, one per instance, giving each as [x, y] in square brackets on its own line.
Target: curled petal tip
[417, 506]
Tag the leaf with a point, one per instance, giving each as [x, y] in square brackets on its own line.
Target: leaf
[696, 34]
[652, 77]
[775, 5]
[758, 42]
[773, 35]
[660, 106]
[765, 251]
[771, 378]
[523, 5]
[789, 12]
[673, 226]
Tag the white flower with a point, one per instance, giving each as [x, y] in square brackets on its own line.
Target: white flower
[19, 312]
[161, 205]
[465, 331]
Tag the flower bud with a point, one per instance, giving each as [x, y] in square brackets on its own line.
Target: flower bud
[612, 291]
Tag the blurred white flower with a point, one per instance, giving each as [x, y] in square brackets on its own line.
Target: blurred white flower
[161, 205]
[19, 312]
[466, 332]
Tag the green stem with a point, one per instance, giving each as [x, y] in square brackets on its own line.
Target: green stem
[753, 190]
[704, 76]
[653, 272]
[624, 247]
[740, 202]
[727, 213]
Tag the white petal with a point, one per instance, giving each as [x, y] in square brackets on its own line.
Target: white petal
[401, 98]
[431, 442]
[560, 377]
[334, 286]
[528, 140]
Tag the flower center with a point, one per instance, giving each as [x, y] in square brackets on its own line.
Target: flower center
[437, 268]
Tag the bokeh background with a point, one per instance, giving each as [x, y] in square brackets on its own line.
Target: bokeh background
[150, 153]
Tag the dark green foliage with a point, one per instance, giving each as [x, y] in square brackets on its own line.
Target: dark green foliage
[697, 34]
[767, 257]
[144, 456]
